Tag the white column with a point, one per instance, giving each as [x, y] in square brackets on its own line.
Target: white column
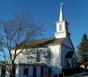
[38, 71]
[44, 69]
[30, 71]
[21, 71]
[60, 70]
[17, 71]
[6, 73]
[0, 70]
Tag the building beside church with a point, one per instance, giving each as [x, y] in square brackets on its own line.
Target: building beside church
[47, 55]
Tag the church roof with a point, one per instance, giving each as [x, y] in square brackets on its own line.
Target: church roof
[44, 42]
[69, 54]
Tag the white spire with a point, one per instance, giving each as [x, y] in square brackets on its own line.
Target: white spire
[61, 13]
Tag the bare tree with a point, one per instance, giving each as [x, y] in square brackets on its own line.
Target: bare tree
[16, 33]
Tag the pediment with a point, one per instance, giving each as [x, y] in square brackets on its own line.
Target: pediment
[67, 42]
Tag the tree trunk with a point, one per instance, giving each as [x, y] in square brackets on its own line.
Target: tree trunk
[12, 67]
[10, 75]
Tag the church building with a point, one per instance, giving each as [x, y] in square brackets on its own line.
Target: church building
[47, 55]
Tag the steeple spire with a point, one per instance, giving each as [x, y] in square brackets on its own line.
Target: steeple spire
[61, 18]
[62, 26]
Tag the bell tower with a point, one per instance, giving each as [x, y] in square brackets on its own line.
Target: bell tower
[61, 26]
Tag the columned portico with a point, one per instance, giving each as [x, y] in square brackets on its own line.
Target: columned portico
[19, 72]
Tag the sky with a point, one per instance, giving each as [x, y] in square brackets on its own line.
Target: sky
[47, 12]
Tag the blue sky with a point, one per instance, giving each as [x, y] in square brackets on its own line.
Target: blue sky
[47, 12]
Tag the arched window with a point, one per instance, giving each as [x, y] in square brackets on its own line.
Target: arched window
[60, 27]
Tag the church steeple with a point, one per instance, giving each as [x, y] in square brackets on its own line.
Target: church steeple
[61, 18]
[62, 26]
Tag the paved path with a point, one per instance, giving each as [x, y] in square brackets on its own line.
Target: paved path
[83, 74]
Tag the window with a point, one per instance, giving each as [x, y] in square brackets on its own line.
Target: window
[20, 59]
[25, 70]
[66, 27]
[75, 63]
[30, 56]
[60, 27]
[38, 56]
[48, 56]
[72, 63]
[49, 69]
[41, 70]
[29, 59]
[68, 63]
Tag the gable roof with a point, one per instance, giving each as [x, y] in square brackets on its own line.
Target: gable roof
[70, 44]
[44, 42]
[69, 54]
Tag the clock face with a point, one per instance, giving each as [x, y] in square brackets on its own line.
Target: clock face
[60, 27]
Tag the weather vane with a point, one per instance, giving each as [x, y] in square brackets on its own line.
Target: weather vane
[62, 3]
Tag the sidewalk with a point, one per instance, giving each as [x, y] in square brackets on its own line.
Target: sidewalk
[83, 74]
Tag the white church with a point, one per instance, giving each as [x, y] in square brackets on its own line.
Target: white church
[47, 55]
